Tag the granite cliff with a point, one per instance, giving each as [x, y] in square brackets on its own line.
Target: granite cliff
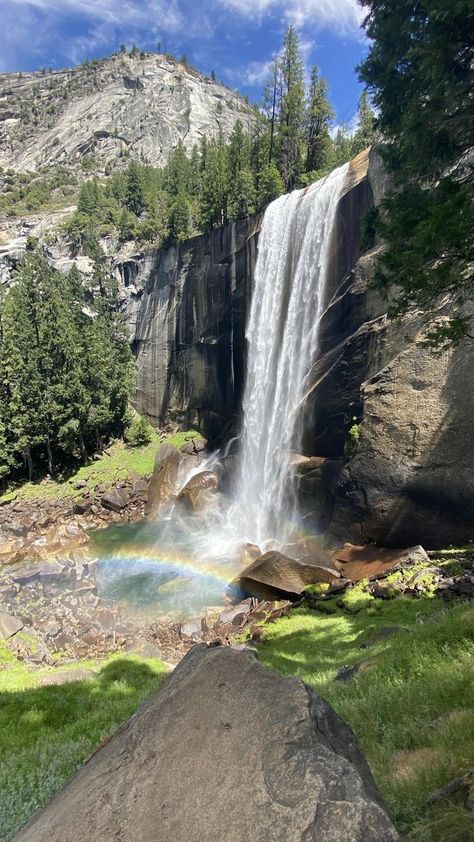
[120, 107]
[408, 476]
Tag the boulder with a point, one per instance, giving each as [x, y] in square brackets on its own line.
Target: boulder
[164, 482]
[248, 554]
[116, 499]
[275, 575]
[9, 625]
[226, 750]
[199, 489]
[369, 562]
[58, 677]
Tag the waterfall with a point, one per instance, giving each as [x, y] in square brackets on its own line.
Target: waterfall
[282, 334]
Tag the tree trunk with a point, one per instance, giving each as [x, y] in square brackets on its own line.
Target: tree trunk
[82, 447]
[50, 456]
[29, 461]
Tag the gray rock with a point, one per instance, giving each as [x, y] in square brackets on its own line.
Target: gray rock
[9, 625]
[144, 105]
[116, 499]
[191, 628]
[66, 677]
[143, 649]
[227, 750]
[164, 482]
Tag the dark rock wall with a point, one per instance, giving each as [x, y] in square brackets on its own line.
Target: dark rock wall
[188, 327]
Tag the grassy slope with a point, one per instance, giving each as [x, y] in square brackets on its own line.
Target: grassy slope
[46, 733]
[119, 461]
[418, 675]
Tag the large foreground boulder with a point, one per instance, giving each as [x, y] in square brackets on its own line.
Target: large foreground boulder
[227, 750]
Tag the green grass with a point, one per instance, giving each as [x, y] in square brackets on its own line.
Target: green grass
[47, 733]
[118, 463]
[413, 678]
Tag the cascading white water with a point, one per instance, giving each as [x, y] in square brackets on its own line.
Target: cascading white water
[282, 333]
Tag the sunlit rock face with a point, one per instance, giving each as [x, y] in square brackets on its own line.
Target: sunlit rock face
[119, 107]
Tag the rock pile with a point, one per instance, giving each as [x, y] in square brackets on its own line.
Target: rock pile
[33, 529]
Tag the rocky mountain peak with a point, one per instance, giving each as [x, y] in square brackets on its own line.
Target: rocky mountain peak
[125, 106]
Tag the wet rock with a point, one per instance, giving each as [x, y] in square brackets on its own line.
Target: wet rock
[51, 569]
[192, 628]
[9, 625]
[248, 554]
[274, 575]
[230, 615]
[198, 490]
[80, 507]
[51, 628]
[301, 775]
[25, 574]
[310, 550]
[164, 482]
[18, 528]
[116, 499]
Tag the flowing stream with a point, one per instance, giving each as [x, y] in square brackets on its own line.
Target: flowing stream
[183, 560]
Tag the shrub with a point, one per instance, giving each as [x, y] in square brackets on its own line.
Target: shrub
[139, 433]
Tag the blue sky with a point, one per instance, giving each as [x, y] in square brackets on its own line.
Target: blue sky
[236, 38]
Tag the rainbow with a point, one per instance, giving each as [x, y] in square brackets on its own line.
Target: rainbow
[183, 564]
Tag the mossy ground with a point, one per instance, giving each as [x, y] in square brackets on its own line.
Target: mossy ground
[415, 696]
[47, 733]
[116, 463]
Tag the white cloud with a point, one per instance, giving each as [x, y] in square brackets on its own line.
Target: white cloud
[350, 127]
[34, 26]
[255, 73]
[136, 12]
[342, 17]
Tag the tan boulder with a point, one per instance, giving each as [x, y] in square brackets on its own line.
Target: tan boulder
[199, 489]
[164, 482]
[369, 562]
[274, 575]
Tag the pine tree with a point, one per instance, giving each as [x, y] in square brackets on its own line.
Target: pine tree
[180, 220]
[419, 72]
[319, 114]
[270, 185]
[271, 103]
[215, 184]
[365, 133]
[241, 202]
[290, 121]
[134, 193]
